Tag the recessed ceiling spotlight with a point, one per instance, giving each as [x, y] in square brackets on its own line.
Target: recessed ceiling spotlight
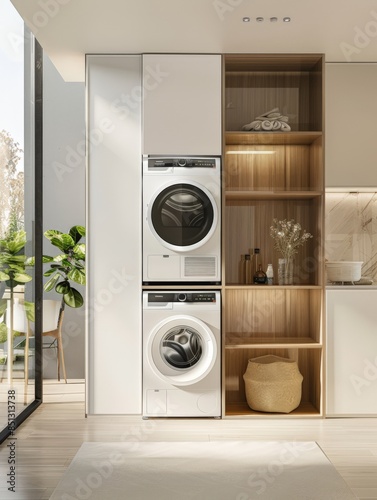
[246, 19]
[273, 19]
[260, 19]
[287, 19]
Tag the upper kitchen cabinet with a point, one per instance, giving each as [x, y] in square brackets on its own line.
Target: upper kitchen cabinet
[182, 104]
[351, 126]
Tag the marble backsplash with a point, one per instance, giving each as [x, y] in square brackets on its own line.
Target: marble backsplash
[351, 229]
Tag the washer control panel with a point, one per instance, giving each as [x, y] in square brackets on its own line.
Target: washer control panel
[181, 297]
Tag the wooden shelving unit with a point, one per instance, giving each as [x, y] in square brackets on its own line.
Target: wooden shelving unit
[271, 175]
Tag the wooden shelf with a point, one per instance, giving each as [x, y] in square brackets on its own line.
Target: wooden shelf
[271, 138]
[182, 287]
[242, 409]
[241, 194]
[266, 342]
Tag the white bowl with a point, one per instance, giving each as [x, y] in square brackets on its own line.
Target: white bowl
[343, 270]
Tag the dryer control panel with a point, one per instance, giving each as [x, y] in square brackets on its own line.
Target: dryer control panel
[181, 297]
[189, 162]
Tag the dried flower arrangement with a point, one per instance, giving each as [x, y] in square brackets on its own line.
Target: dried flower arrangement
[288, 237]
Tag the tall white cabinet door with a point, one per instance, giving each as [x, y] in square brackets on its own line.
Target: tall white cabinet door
[351, 373]
[114, 332]
[182, 104]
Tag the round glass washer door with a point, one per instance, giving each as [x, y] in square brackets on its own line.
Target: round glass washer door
[182, 350]
[183, 216]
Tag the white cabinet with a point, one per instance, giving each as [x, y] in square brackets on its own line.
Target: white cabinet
[182, 104]
[114, 235]
[351, 352]
[351, 126]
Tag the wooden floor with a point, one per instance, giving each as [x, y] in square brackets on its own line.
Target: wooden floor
[49, 439]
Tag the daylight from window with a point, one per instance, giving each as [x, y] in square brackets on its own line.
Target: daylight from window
[11, 121]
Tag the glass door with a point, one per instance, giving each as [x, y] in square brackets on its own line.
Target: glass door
[183, 216]
[20, 222]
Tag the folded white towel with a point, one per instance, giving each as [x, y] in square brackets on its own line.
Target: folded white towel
[251, 125]
[266, 125]
[271, 120]
[285, 127]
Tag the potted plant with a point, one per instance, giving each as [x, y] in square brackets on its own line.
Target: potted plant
[66, 267]
[12, 273]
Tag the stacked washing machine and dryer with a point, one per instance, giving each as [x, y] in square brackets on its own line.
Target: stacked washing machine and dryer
[181, 245]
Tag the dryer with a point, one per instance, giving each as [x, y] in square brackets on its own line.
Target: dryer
[181, 354]
[181, 219]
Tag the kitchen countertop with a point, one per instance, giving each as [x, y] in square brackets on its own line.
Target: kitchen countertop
[351, 287]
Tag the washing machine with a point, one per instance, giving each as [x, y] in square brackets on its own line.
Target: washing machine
[181, 220]
[181, 354]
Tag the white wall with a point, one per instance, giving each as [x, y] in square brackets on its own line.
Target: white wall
[64, 195]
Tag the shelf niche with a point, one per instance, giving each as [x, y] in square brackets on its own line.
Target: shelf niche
[288, 167]
[247, 224]
[279, 316]
[255, 84]
[309, 363]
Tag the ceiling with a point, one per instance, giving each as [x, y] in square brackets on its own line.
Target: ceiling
[345, 30]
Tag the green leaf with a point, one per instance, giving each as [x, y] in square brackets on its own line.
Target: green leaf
[77, 275]
[79, 251]
[49, 285]
[73, 298]
[17, 259]
[51, 233]
[30, 261]
[49, 272]
[47, 258]
[63, 287]
[60, 257]
[4, 276]
[77, 232]
[3, 333]
[17, 242]
[5, 256]
[15, 268]
[22, 277]
[63, 241]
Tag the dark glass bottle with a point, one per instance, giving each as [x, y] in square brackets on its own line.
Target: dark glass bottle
[256, 259]
[260, 277]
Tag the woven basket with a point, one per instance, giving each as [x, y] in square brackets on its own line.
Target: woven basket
[273, 384]
[342, 270]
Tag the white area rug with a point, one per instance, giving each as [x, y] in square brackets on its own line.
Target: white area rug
[220, 470]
